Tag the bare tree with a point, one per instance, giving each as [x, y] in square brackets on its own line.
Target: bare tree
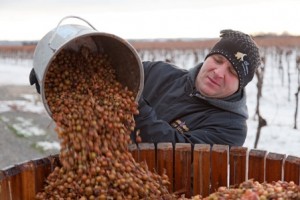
[280, 66]
[288, 56]
[196, 56]
[297, 93]
[261, 121]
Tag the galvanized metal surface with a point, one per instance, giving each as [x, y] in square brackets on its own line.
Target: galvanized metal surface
[125, 59]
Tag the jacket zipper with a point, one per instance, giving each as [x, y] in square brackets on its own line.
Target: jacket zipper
[193, 93]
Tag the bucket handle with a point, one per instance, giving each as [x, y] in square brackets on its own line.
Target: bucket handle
[71, 16]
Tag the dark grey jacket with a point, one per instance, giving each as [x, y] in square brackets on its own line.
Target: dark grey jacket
[172, 111]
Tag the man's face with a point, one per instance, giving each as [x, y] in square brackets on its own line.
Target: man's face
[217, 78]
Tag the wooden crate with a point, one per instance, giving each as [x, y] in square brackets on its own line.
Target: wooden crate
[200, 169]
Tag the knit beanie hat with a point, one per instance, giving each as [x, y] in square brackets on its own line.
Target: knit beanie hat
[241, 51]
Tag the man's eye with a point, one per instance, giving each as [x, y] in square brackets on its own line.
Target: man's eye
[232, 71]
[218, 60]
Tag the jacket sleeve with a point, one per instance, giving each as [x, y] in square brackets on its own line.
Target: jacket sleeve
[233, 136]
[155, 130]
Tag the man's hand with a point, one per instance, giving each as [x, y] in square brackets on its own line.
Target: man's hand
[33, 80]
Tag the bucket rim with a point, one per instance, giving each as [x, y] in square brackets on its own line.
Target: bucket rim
[93, 33]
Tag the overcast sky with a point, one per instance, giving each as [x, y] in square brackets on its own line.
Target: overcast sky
[143, 19]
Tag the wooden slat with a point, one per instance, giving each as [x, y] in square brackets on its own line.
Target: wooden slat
[274, 167]
[13, 175]
[219, 166]
[201, 169]
[183, 162]
[238, 164]
[257, 165]
[42, 170]
[28, 181]
[4, 189]
[292, 169]
[165, 162]
[132, 148]
[147, 154]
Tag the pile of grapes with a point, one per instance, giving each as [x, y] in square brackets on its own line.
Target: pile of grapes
[253, 190]
[93, 113]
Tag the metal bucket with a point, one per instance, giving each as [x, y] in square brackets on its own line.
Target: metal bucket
[125, 59]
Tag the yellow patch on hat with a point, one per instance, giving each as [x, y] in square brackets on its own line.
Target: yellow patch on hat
[240, 56]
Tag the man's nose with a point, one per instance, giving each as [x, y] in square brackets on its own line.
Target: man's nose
[220, 71]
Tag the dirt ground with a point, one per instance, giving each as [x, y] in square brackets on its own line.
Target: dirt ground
[16, 149]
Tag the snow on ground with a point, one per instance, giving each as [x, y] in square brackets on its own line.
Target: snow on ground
[17, 73]
[14, 72]
[27, 106]
[277, 107]
[46, 145]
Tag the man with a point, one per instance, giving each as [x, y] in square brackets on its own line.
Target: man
[206, 104]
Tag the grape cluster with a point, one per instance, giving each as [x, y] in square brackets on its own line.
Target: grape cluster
[253, 190]
[93, 113]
